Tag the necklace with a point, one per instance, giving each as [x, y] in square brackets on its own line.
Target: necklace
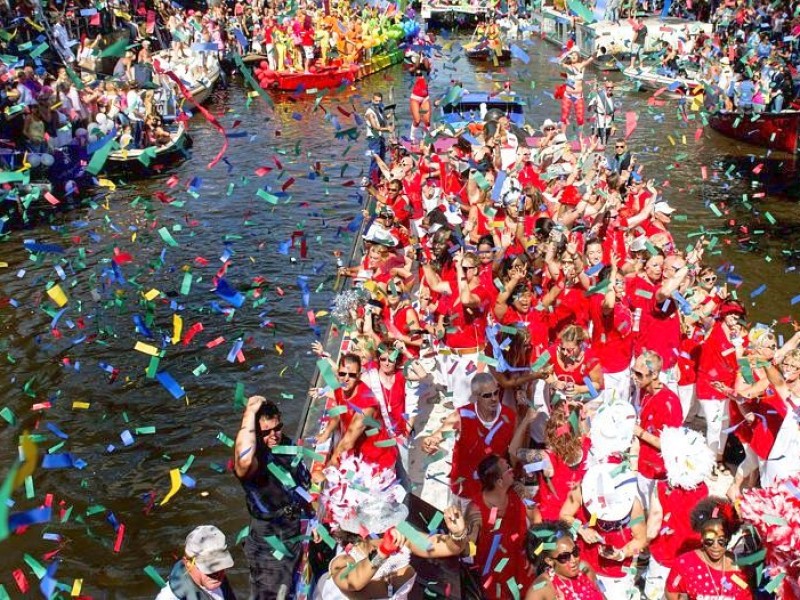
[717, 591]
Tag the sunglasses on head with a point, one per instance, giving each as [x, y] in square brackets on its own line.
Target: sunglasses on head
[720, 541]
[492, 394]
[565, 557]
[348, 375]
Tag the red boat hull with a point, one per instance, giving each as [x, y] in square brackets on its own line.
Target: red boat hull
[777, 131]
[329, 78]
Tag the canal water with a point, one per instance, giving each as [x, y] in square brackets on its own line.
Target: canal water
[170, 235]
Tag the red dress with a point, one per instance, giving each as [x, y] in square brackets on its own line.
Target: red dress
[676, 535]
[770, 410]
[717, 363]
[553, 492]
[366, 446]
[577, 588]
[475, 442]
[502, 542]
[691, 576]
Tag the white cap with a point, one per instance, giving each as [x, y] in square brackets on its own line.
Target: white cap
[207, 547]
[663, 208]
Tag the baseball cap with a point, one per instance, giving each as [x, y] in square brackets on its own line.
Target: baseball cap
[206, 546]
[663, 208]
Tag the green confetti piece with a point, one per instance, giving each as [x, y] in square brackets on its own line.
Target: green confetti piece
[167, 237]
[187, 465]
[239, 399]
[513, 587]
[386, 443]
[775, 583]
[327, 373]
[283, 476]
[543, 360]
[242, 534]
[336, 411]
[714, 209]
[752, 559]
[264, 195]
[325, 536]
[146, 430]
[99, 158]
[770, 218]
[30, 492]
[501, 564]
[152, 368]
[37, 567]
[412, 535]
[151, 572]
[186, 285]
[8, 415]
[225, 439]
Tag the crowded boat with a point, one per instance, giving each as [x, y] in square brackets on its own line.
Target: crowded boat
[531, 388]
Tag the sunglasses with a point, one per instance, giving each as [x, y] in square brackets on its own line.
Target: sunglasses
[386, 359]
[710, 279]
[640, 374]
[348, 375]
[277, 429]
[720, 541]
[551, 128]
[394, 190]
[468, 267]
[492, 394]
[619, 146]
[565, 557]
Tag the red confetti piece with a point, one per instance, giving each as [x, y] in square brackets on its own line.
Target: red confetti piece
[288, 184]
[21, 581]
[120, 535]
[261, 171]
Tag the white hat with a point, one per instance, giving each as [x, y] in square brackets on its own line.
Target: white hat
[361, 496]
[511, 191]
[687, 458]
[663, 208]
[548, 123]
[639, 243]
[725, 61]
[206, 546]
[560, 139]
[612, 429]
[609, 490]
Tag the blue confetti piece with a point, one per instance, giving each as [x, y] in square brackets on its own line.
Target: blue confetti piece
[30, 517]
[795, 300]
[56, 431]
[170, 384]
[519, 54]
[126, 437]
[759, 290]
[57, 461]
[229, 294]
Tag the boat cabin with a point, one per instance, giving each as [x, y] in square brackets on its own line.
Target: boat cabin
[473, 106]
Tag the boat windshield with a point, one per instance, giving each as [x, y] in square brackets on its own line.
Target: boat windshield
[473, 109]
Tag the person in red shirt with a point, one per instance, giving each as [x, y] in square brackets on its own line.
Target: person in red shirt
[420, 105]
[400, 318]
[659, 408]
[710, 571]
[484, 427]
[497, 510]
[561, 573]
[462, 315]
[574, 367]
[363, 413]
[717, 366]
[669, 531]
[612, 333]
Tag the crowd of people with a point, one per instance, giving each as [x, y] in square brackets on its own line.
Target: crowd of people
[313, 38]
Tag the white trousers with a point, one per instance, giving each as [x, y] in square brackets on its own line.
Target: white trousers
[716, 414]
[655, 580]
[645, 486]
[618, 588]
[687, 396]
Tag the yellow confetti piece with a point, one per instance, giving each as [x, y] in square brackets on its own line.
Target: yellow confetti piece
[671, 140]
[152, 294]
[76, 588]
[321, 313]
[739, 581]
[177, 328]
[57, 295]
[146, 348]
[107, 183]
[80, 405]
[3, 264]
[593, 520]
[133, 237]
[473, 549]
[175, 485]
[538, 550]
[683, 139]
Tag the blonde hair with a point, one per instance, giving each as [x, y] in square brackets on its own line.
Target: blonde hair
[573, 333]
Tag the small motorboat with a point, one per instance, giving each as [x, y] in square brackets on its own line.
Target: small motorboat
[777, 131]
[655, 78]
[142, 162]
[486, 54]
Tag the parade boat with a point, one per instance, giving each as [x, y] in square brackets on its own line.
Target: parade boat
[143, 162]
[333, 76]
[653, 78]
[777, 131]
[611, 40]
[200, 88]
[449, 13]
[486, 54]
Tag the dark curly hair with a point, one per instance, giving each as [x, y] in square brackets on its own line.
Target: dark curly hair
[715, 511]
[546, 532]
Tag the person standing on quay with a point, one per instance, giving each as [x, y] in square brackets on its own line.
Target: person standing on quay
[276, 498]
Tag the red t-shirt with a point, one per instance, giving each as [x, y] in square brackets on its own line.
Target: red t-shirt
[578, 372]
[717, 362]
[688, 354]
[476, 442]
[612, 334]
[676, 535]
[698, 580]
[660, 331]
[659, 410]
[616, 538]
[553, 492]
[770, 410]
[570, 308]
[535, 321]
[466, 325]
[365, 447]
[399, 321]
[511, 530]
